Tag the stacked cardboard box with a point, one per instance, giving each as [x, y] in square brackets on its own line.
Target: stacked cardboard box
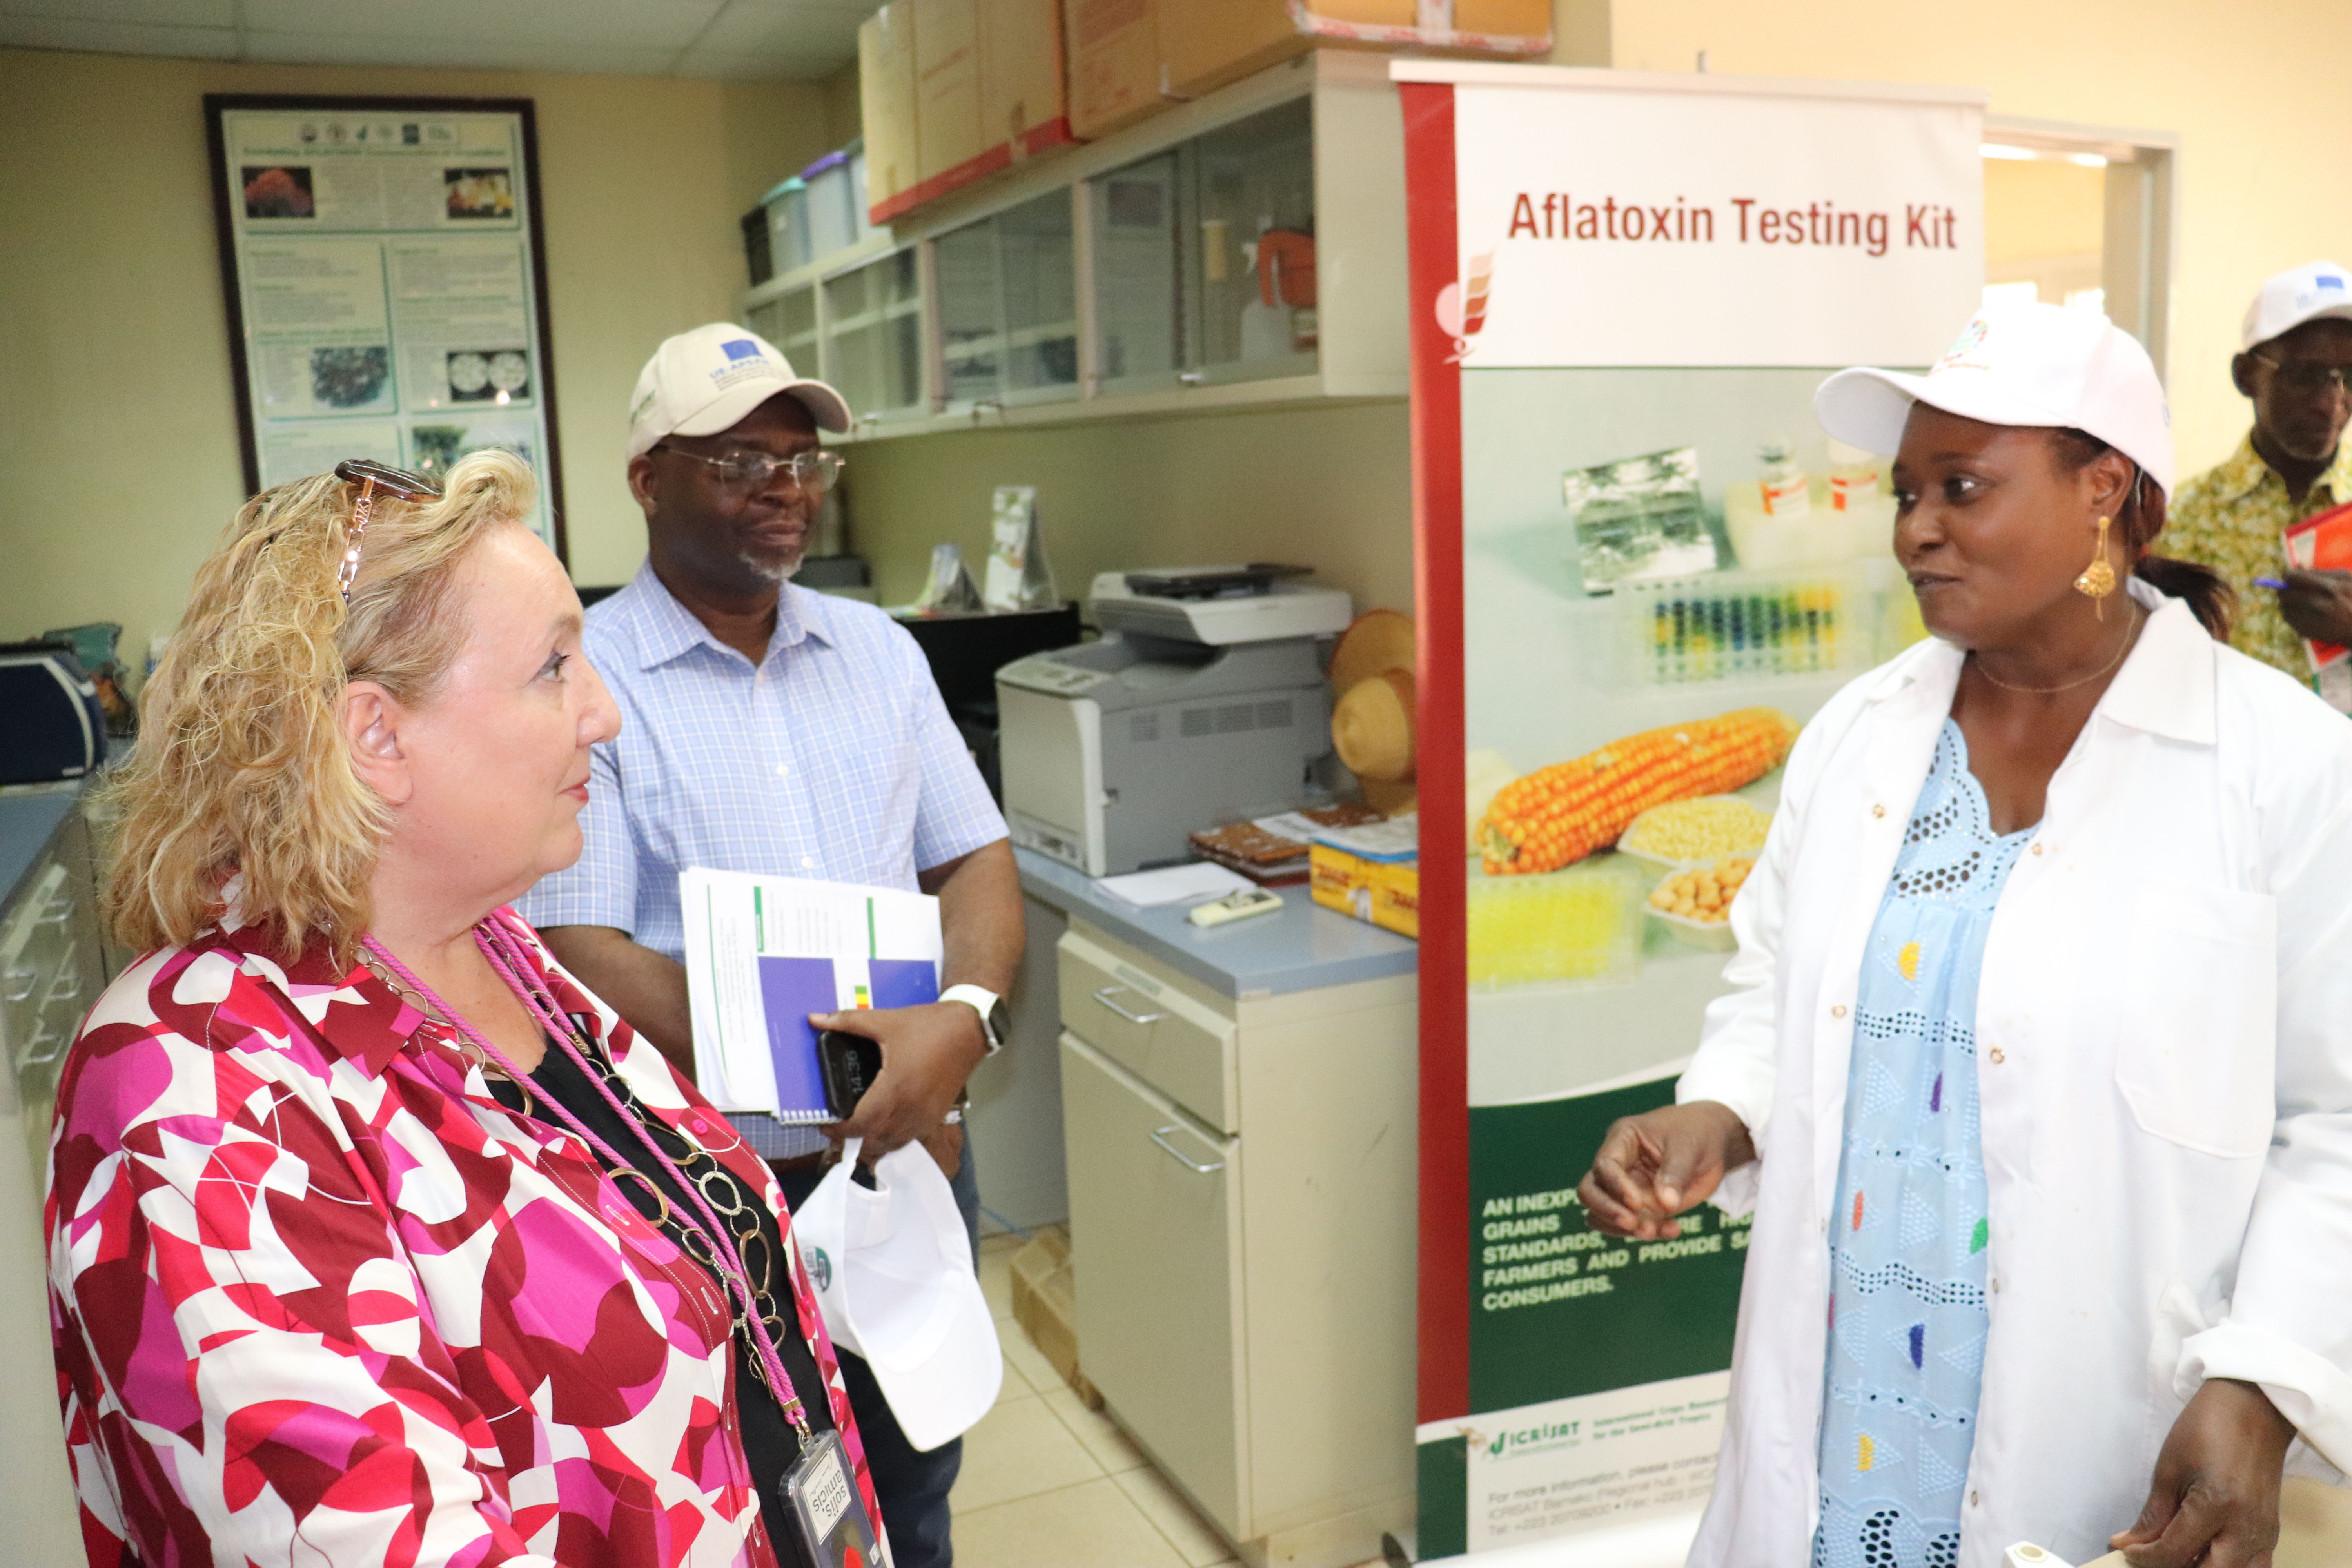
[1130, 58]
[955, 90]
[1207, 43]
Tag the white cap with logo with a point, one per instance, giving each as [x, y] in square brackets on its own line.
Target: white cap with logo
[2044, 366]
[708, 380]
[2302, 294]
[893, 1271]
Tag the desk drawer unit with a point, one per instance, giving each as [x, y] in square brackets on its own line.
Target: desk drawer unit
[1158, 1258]
[50, 974]
[1144, 1021]
[51, 970]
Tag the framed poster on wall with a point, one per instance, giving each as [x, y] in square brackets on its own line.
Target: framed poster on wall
[385, 269]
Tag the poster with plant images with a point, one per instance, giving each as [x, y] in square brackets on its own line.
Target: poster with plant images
[383, 266]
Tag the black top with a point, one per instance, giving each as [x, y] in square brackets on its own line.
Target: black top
[770, 1444]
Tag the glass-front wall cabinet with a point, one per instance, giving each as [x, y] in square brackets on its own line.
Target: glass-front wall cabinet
[789, 322]
[1138, 298]
[1253, 189]
[1204, 257]
[874, 331]
[1008, 307]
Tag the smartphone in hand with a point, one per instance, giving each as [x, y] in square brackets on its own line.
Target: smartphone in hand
[849, 1064]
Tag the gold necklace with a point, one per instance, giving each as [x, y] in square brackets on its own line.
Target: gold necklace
[2131, 636]
[465, 1047]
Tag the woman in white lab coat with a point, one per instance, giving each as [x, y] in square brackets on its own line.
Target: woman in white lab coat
[2037, 1066]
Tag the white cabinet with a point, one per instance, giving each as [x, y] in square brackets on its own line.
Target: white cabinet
[1242, 1200]
[52, 967]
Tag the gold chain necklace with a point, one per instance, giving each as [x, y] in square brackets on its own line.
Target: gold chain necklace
[465, 1048]
[2131, 636]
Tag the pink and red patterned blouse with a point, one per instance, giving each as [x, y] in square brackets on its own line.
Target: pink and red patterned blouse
[319, 1298]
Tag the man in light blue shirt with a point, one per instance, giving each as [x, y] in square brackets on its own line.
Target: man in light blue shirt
[772, 730]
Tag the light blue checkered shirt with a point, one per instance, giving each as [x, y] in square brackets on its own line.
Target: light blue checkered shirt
[835, 759]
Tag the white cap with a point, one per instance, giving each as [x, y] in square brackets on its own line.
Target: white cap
[893, 1271]
[2303, 294]
[708, 380]
[2044, 366]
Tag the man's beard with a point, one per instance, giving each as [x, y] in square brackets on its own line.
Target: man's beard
[772, 571]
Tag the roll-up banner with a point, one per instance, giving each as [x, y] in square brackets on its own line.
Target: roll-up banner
[1641, 566]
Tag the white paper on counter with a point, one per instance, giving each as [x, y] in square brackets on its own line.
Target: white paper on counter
[1175, 885]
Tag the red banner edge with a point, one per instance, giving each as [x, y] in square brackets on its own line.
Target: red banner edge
[1434, 261]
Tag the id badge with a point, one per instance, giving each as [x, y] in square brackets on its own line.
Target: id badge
[834, 1526]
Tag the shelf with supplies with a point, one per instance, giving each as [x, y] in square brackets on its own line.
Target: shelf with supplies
[1244, 249]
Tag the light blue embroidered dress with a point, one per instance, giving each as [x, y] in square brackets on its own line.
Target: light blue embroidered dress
[1907, 1315]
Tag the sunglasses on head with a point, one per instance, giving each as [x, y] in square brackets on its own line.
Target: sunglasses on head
[371, 476]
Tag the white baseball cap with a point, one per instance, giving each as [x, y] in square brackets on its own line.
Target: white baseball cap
[708, 380]
[2301, 294]
[893, 1271]
[2044, 366]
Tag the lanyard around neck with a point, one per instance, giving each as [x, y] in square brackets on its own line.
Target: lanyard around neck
[498, 946]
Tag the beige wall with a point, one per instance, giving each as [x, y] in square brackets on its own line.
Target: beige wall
[1325, 487]
[117, 429]
[2042, 209]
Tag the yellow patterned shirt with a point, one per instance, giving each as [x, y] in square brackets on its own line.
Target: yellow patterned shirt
[2230, 517]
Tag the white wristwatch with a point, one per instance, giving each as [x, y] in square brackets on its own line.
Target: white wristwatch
[993, 1021]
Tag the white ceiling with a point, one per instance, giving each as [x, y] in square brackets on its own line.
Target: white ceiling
[733, 40]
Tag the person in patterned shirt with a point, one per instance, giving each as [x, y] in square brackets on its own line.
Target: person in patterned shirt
[2296, 370]
[346, 1264]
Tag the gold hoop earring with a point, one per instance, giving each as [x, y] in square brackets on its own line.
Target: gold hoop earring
[2098, 579]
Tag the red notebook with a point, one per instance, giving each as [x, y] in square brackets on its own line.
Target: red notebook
[2322, 543]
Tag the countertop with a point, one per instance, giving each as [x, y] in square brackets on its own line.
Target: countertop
[29, 816]
[1300, 947]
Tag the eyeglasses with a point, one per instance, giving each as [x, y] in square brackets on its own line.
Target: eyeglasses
[751, 472]
[2311, 378]
[370, 477]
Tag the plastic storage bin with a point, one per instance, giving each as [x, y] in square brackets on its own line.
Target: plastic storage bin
[833, 204]
[788, 225]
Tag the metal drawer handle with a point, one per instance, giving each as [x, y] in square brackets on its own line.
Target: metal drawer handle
[35, 1056]
[1108, 991]
[1158, 1137]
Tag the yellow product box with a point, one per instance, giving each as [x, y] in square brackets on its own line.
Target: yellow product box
[1385, 892]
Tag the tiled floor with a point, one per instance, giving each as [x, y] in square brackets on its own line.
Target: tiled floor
[1046, 1480]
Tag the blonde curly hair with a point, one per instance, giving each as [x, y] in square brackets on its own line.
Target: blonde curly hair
[242, 767]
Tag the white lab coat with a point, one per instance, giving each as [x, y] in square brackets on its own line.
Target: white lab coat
[2163, 1059]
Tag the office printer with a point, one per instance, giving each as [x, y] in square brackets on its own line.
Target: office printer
[1203, 702]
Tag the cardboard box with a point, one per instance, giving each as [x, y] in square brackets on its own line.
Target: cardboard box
[1385, 892]
[987, 88]
[1114, 64]
[886, 86]
[1025, 97]
[946, 92]
[1204, 43]
[1045, 1305]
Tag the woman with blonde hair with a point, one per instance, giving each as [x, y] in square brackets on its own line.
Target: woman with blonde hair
[374, 1238]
